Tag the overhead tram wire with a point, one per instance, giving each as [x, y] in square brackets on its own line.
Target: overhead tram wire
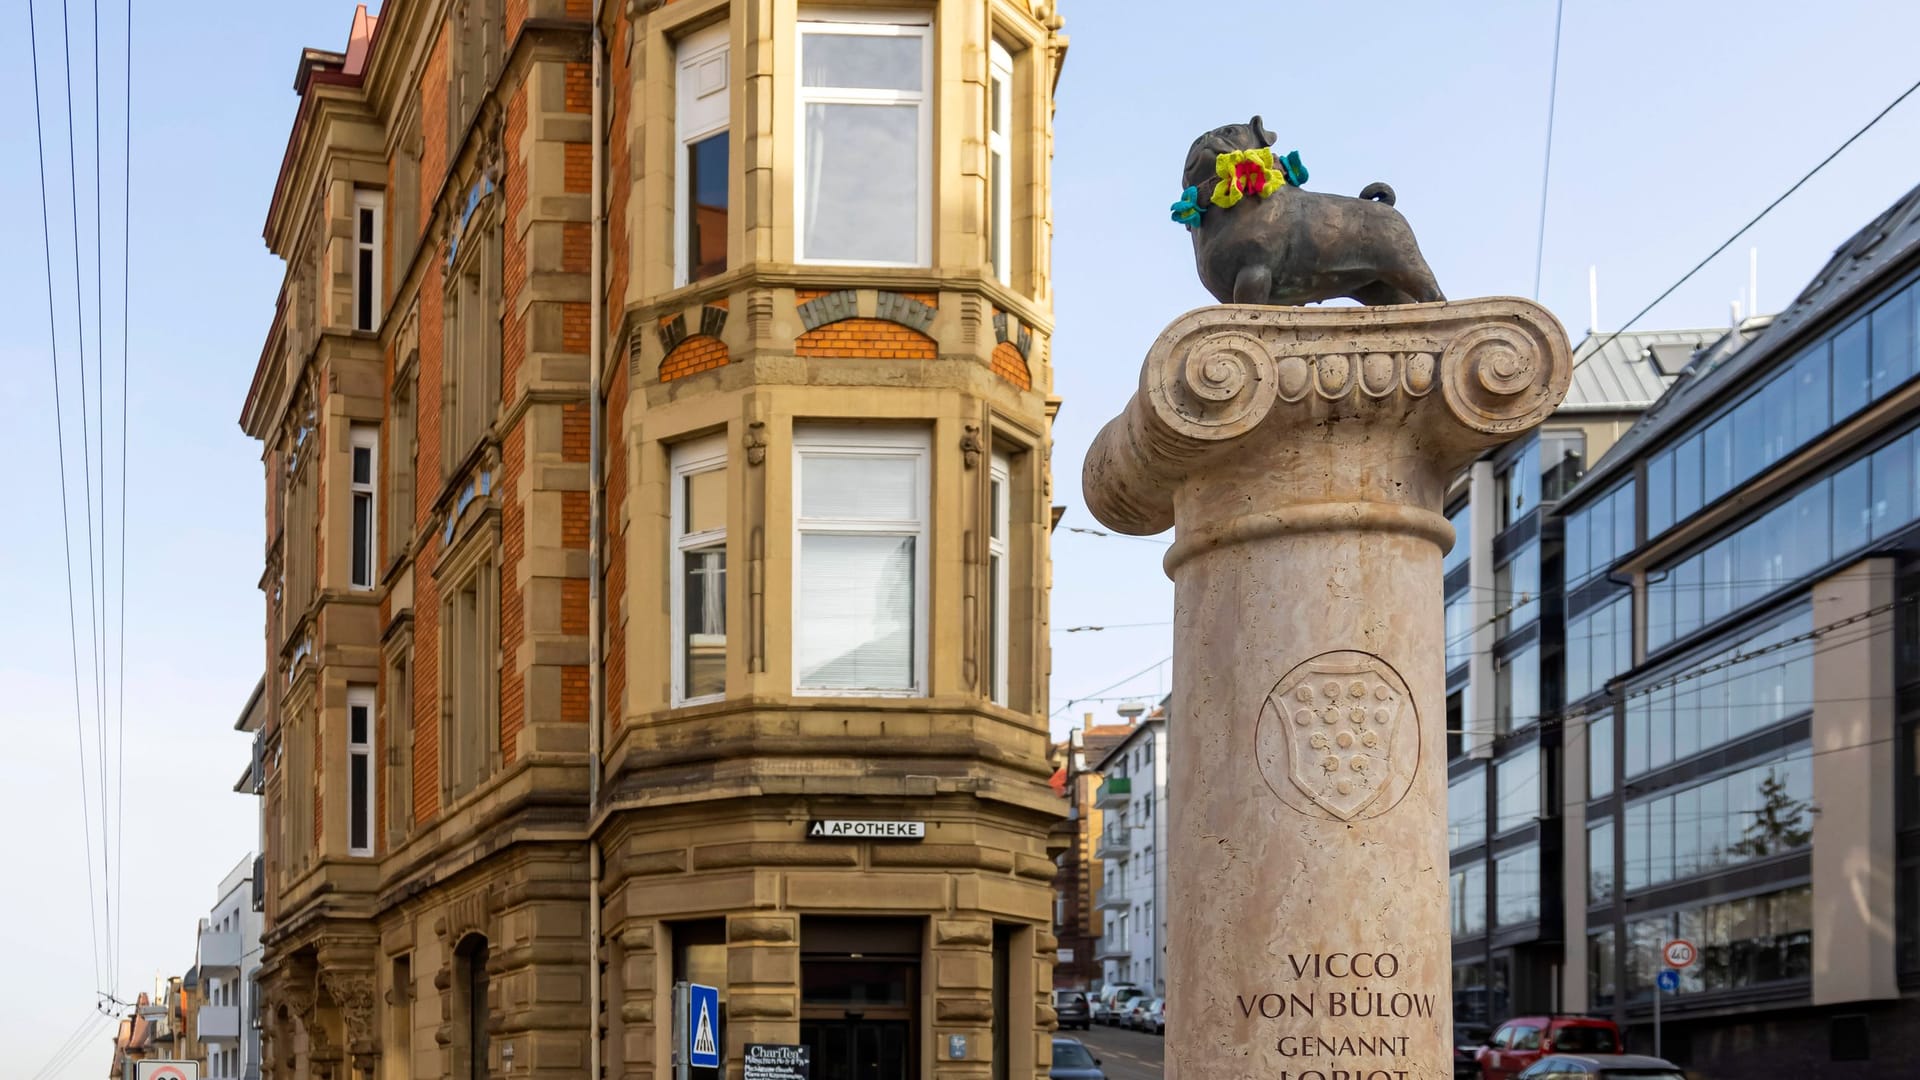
[1742, 231]
[1546, 168]
[86, 459]
[100, 445]
[66, 527]
[72, 1047]
[1089, 697]
[126, 317]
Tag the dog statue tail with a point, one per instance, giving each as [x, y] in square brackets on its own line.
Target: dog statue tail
[1378, 192]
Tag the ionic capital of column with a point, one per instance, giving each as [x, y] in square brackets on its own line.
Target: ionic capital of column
[1339, 418]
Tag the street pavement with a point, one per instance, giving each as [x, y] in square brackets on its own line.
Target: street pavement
[1123, 1054]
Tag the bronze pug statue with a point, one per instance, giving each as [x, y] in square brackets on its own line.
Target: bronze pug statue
[1259, 238]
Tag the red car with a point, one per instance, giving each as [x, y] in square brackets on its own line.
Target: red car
[1524, 1040]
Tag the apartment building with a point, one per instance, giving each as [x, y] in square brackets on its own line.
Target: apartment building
[1504, 658]
[1133, 834]
[1077, 918]
[587, 304]
[227, 1011]
[1740, 761]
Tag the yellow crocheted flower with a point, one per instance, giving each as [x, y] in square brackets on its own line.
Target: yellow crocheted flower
[1245, 172]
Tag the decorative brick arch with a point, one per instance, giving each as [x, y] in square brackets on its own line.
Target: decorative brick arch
[897, 330]
[701, 350]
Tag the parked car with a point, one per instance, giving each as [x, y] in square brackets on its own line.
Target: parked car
[1523, 1040]
[1114, 1003]
[1071, 1007]
[1134, 1019]
[1153, 1017]
[1602, 1067]
[1071, 1061]
[1467, 1041]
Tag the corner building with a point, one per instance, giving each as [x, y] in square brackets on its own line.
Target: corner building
[657, 464]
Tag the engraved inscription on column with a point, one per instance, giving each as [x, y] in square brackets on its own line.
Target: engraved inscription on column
[1338, 737]
[1354, 1003]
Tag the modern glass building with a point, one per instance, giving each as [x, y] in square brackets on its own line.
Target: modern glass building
[1504, 644]
[1741, 685]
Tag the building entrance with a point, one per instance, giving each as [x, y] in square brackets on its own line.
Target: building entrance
[859, 997]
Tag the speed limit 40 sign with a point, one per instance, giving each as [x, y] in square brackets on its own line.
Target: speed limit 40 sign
[166, 1070]
[1679, 953]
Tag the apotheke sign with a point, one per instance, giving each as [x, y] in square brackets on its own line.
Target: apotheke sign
[867, 830]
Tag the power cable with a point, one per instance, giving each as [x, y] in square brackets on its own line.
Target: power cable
[1075, 701]
[86, 458]
[70, 1049]
[126, 316]
[1742, 231]
[66, 527]
[1546, 168]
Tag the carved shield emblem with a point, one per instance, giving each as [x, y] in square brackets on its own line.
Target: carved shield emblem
[1338, 735]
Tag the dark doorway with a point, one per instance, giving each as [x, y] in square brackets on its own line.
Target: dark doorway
[859, 997]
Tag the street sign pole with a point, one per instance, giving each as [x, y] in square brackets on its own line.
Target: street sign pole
[682, 1066]
[1658, 993]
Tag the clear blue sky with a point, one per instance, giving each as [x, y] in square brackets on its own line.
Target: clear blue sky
[1676, 123]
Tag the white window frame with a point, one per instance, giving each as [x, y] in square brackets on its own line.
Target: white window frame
[876, 442]
[1000, 162]
[368, 202]
[693, 53]
[688, 459]
[999, 503]
[364, 437]
[360, 697]
[876, 24]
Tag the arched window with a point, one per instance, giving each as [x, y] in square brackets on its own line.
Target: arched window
[471, 1008]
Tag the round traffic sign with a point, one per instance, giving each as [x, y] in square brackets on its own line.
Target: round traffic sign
[1679, 953]
[1669, 980]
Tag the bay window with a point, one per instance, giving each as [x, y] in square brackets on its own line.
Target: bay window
[864, 184]
[699, 575]
[860, 561]
[700, 202]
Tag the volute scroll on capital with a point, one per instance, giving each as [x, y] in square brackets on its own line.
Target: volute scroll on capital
[1466, 374]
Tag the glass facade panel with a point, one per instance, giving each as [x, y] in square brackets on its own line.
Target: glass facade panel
[1600, 756]
[1735, 691]
[1597, 534]
[1749, 942]
[1516, 587]
[1755, 813]
[1519, 782]
[1862, 362]
[1852, 373]
[1600, 862]
[1467, 810]
[1462, 522]
[1600, 968]
[1467, 894]
[1516, 886]
[1516, 698]
[1460, 626]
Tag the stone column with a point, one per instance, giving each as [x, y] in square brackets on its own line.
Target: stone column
[1304, 454]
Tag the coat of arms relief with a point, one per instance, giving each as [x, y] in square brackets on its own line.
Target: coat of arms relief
[1338, 736]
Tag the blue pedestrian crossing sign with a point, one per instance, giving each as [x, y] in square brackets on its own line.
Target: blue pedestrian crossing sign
[703, 1026]
[1669, 980]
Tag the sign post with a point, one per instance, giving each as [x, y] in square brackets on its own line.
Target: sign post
[1678, 953]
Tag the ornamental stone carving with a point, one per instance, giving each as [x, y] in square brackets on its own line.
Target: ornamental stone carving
[354, 994]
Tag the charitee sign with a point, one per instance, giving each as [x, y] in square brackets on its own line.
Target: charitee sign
[770, 1061]
[867, 830]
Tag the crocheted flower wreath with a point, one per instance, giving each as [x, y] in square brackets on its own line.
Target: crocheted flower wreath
[1245, 172]
[1188, 210]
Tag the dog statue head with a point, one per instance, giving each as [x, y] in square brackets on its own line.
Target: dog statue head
[1198, 171]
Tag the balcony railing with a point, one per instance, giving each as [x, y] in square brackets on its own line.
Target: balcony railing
[219, 949]
[219, 1022]
[1112, 947]
[259, 883]
[1114, 793]
[1113, 842]
[1112, 895]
